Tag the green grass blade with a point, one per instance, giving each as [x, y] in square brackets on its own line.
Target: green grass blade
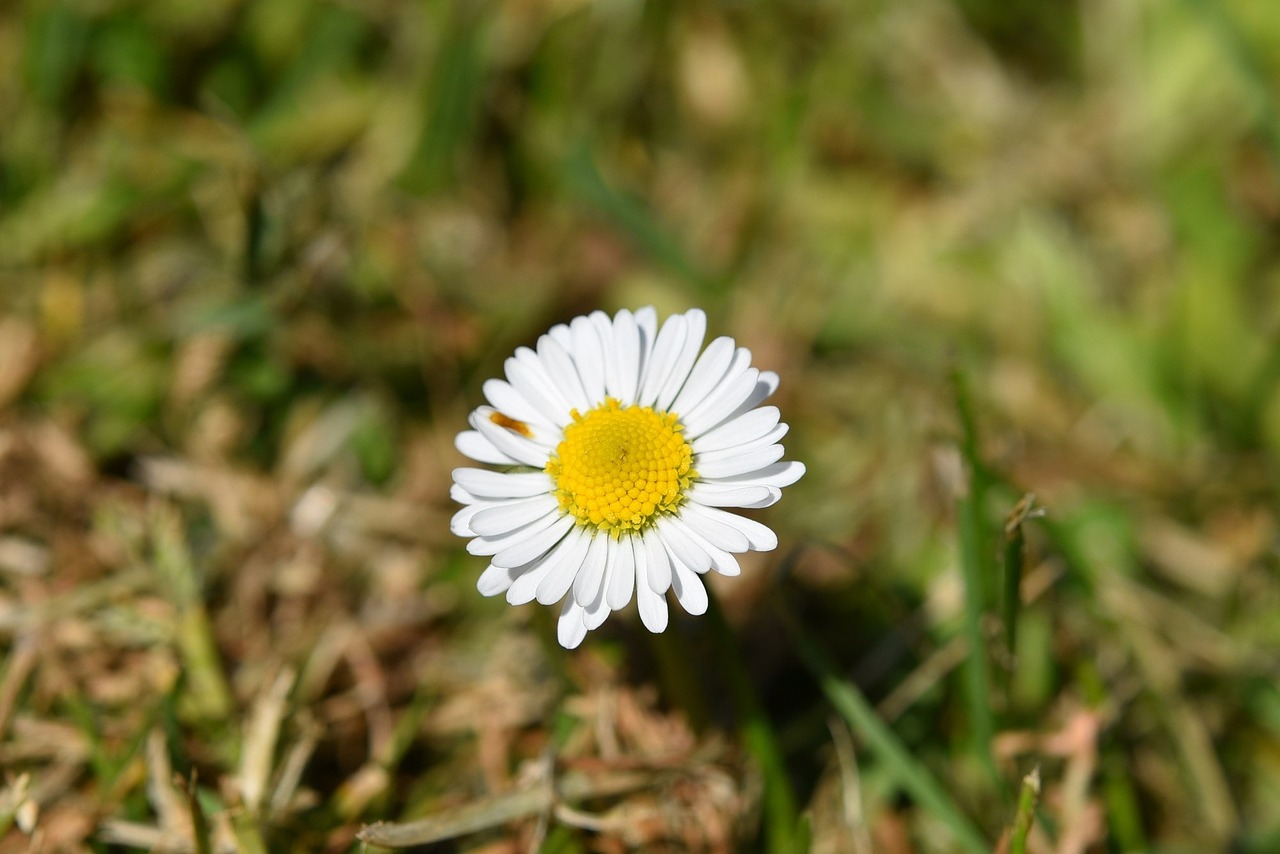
[208, 691]
[1011, 602]
[1266, 377]
[1252, 71]
[1028, 798]
[200, 830]
[977, 677]
[913, 777]
[978, 569]
[248, 834]
[1013, 565]
[59, 39]
[1124, 816]
[86, 721]
[631, 217]
[453, 98]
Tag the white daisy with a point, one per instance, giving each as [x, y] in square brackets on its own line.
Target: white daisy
[622, 443]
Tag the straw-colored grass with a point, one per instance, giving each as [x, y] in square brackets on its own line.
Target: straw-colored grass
[257, 258]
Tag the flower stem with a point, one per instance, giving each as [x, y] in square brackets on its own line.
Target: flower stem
[781, 823]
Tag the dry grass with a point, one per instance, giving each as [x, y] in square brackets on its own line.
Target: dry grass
[257, 258]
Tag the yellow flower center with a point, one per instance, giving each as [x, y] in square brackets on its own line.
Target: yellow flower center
[619, 467]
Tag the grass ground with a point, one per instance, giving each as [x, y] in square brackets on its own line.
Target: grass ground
[257, 258]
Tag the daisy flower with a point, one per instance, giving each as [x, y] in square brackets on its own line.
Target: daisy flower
[621, 444]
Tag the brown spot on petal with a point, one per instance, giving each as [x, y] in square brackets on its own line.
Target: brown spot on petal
[511, 424]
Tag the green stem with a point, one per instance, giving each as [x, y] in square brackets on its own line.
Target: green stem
[1014, 545]
[781, 822]
[977, 563]
[201, 833]
[1026, 815]
[976, 672]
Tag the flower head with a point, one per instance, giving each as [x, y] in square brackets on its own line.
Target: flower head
[623, 442]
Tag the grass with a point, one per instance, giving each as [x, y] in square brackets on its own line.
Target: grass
[256, 261]
[906, 772]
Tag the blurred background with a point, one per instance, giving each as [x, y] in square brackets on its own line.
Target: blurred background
[257, 258]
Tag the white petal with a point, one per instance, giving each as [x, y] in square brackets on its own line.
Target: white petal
[495, 580]
[706, 374]
[608, 349]
[653, 606]
[498, 519]
[460, 524]
[726, 564]
[522, 450]
[527, 378]
[504, 398]
[720, 404]
[530, 359]
[714, 494]
[695, 330]
[566, 563]
[758, 536]
[590, 578]
[647, 323]
[647, 320]
[563, 373]
[520, 583]
[766, 385]
[610, 565]
[770, 438]
[689, 591]
[740, 463]
[663, 356]
[657, 564]
[597, 612]
[777, 475]
[474, 445]
[562, 336]
[775, 495]
[492, 545]
[739, 431]
[571, 628]
[483, 483]
[623, 577]
[714, 531]
[718, 559]
[533, 546]
[683, 549]
[524, 587]
[624, 372]
[538, 430]
[589, 357]
[460, 495]
[641, 555]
